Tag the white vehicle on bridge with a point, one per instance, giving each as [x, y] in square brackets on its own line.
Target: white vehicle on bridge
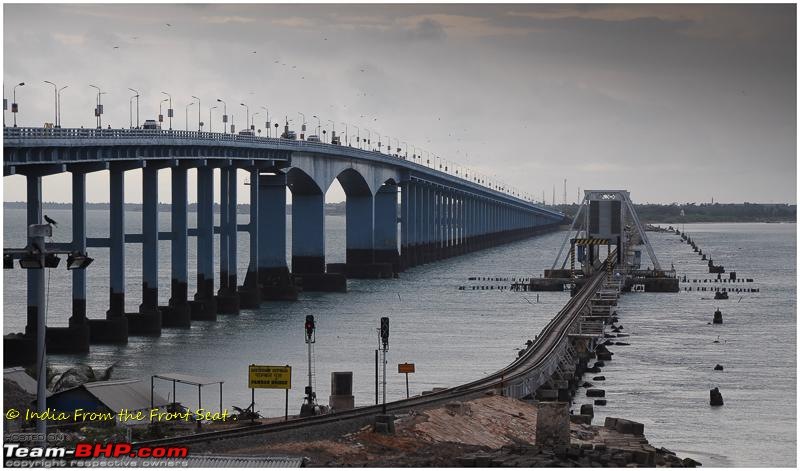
[247, 132]
[151, 124]
[313, 138]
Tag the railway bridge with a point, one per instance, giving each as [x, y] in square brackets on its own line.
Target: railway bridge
[400, 212]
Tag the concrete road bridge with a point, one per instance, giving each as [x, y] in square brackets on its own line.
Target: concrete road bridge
[400, 213]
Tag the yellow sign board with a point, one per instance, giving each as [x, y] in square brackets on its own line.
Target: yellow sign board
[405, 368]
[269, 377]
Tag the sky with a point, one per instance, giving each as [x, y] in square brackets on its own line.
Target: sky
[676, 103]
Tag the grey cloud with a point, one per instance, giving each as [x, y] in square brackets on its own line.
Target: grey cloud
[428, 29]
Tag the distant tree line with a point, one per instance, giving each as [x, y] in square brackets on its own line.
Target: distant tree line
[666, 213]
[708, 212]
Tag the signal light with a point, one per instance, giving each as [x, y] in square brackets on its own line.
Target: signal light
[309, 327]
[385, 331]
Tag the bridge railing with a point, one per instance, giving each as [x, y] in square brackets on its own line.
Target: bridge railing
[19, 133]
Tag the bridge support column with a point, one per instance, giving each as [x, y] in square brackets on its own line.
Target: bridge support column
[204, 306]
[436, 240]
[148, 309]
[413, 221]
[385, 238]
[273, 274]
[115, 328]
[227, 297]
[21, 350]
[178, 313]
[250, 291]
[360, 218]
[148, 320]
[405, 216]
[425, 225]
[308, 244]
[76, 339]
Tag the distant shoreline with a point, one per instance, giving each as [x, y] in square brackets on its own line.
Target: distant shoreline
[648, 213]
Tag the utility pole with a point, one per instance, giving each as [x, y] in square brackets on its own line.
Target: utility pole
[307, 408]
[385, 342]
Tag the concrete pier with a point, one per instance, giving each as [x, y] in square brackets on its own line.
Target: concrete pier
[250, 291]
[204, 305]
[273, 274]
[227, 296]
[178, 312]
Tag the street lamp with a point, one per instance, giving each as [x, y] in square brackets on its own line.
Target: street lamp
[59, 104]
[209, 117]
[169, 110]
[160, 113]
[369, 141]
[319, 124]
[247, 114]
[346, 140]
[55, 95]
[358, 136]
[253, 119]
[267, 125]
[333, 130]
[224, 115]
[198, 113]
[187, 115]
[137, 105]
[14, 106]
[98, 111]
[302, 126]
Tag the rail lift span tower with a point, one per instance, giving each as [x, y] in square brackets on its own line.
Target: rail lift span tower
[604, 218]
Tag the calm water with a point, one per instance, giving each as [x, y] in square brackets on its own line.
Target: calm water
[662, 379]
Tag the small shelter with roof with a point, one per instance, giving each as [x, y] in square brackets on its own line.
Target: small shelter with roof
[107, 396]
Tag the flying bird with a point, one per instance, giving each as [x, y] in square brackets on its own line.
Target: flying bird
[50, 220]
[254, 52]
[169, 25]
[116, 47]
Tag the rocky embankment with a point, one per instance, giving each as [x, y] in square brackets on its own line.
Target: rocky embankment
[486, 432]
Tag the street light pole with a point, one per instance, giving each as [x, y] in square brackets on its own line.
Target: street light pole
[253, 119]
[346, 140]
[160, 113]
[333, 129]
[187, 115]
[302, 125]
[14, 106]
[358, 136]
[130, 112]
[224, 115]
[267, 123]
[137, 105]
[319, 124]
[169, 110]
[247, 115]
[55, 95]
[198, 112]
[98, 111]
[209, 117]
[59, 104]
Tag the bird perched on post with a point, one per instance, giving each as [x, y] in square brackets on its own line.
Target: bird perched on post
[50, 220]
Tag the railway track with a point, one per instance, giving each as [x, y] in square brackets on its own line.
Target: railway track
[537, 355]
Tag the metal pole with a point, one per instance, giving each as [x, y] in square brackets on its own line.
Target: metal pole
[220, 398]
[383, 408]
[59, 104]
[407, 395]
[198, 112]
[286, 407]
[55, 93]
[41, 358]
[310, 387]
[376, 376]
